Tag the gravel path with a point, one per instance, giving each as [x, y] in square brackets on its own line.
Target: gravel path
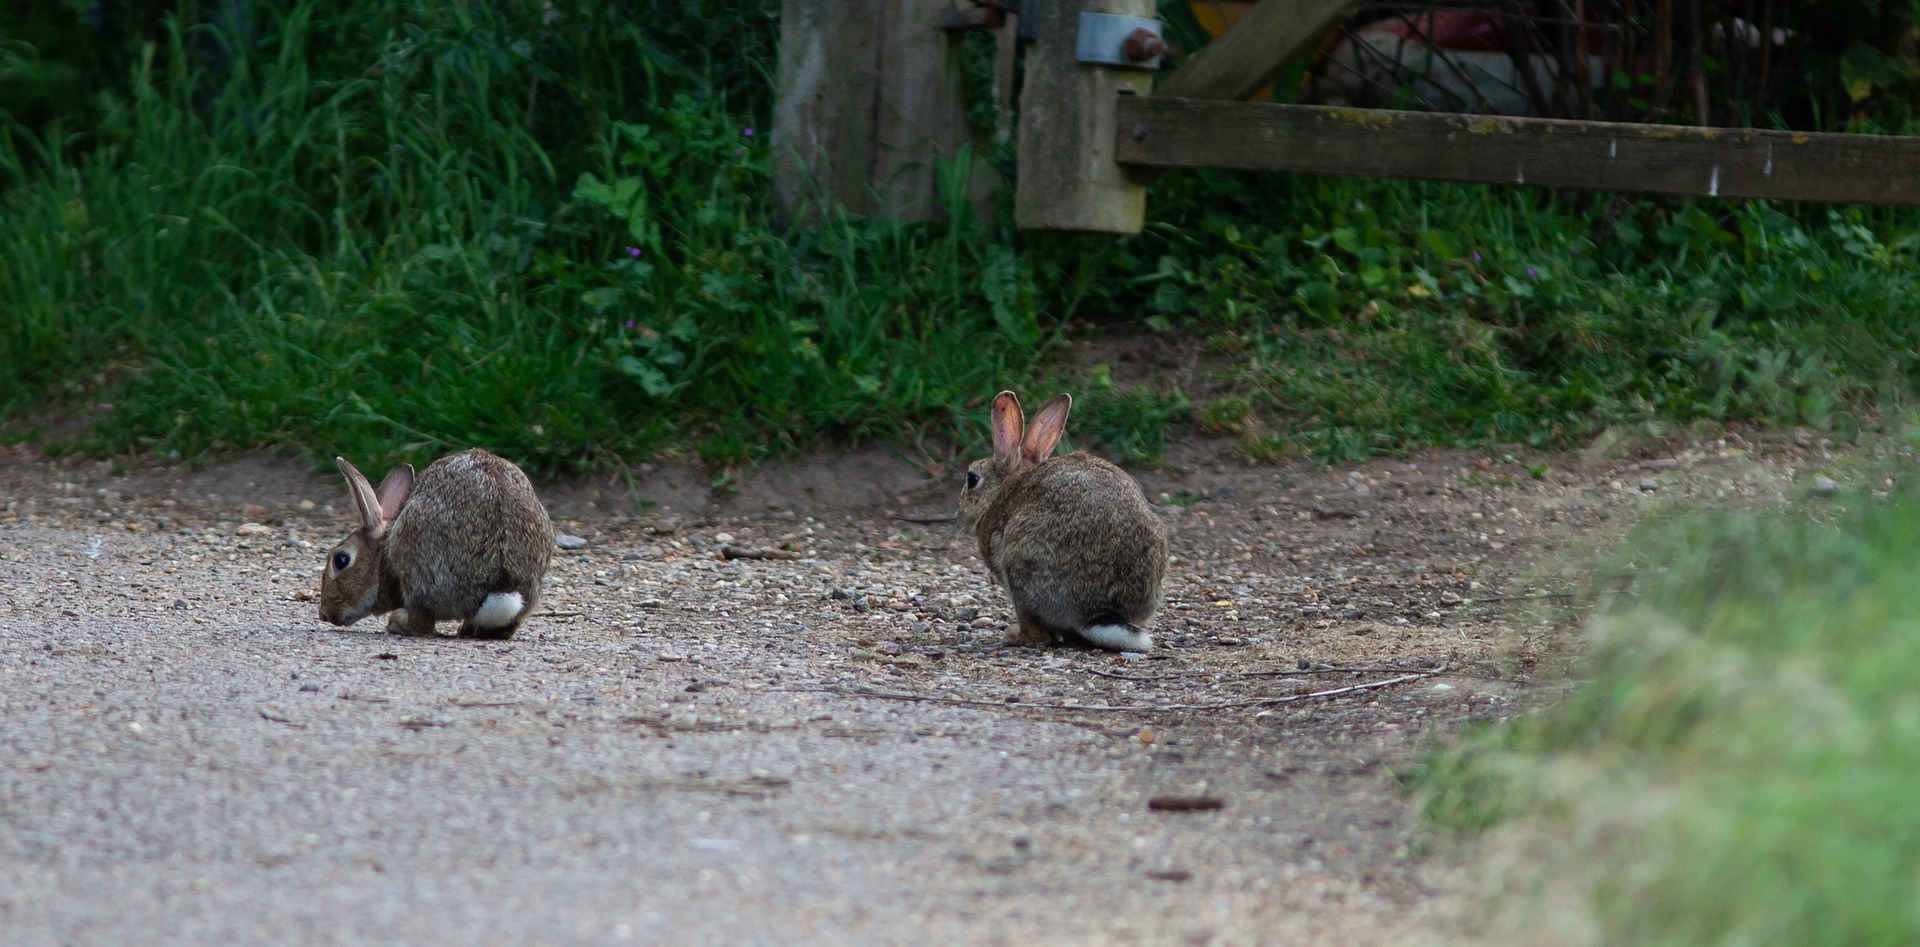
[688, 749]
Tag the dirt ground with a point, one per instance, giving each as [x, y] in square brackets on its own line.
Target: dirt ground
[833, 748]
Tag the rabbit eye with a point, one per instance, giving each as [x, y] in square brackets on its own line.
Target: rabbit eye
[973, 480]
[341, 560]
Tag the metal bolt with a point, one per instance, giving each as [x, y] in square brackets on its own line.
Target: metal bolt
[1142, 45]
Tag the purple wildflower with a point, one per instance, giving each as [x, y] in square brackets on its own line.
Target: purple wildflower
[634, 252]
[1476, 256]
[629, 323]
[1529, 271]
[747, 132]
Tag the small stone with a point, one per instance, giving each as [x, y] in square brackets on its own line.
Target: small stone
[1648, 485]
[305, 505]
[723, 537]
[309, 688]
[180, 605]
[254, 510]
[1825, 486]
[253, 529]
[669, 657]
[840, 595]
[569, 542]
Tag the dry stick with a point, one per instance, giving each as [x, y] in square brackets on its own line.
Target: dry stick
[1193, 674]
[1517, 598]
[1442, 672]
[742, 552]
[923, 520]
[1122, 708]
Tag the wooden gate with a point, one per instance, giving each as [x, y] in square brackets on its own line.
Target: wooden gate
[1092, 135]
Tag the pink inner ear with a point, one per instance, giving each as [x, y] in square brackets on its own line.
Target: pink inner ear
[1048, 424]
[1007, 428]
[395, 489]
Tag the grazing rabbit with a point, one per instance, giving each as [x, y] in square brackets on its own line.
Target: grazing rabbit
[1071, 539]
[468, 540]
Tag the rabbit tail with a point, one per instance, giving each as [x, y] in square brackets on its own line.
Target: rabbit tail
[1118, 636]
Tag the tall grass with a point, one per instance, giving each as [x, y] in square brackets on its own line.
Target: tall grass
[1740, 767]
[388, 229]
[417, 250]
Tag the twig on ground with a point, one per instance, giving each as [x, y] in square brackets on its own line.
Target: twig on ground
[1192, 674]
[745, 552]
[923, 520]
[1124, 708]
[1189, 675]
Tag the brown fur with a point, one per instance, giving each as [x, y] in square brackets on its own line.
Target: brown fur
[1072, 539]
[470, 525]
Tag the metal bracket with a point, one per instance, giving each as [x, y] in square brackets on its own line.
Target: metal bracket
[1129, 42]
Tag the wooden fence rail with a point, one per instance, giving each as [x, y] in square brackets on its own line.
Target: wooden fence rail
[1162, 132]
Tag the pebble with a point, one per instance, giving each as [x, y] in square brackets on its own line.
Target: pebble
[1824, 486]
[569, 542]
[253, 529]
[1648, 485]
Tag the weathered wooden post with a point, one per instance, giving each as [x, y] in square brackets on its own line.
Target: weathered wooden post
[1068, 179]
[869, 96]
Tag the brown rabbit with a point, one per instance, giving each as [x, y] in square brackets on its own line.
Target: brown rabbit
[468, 540]
[1071, 539]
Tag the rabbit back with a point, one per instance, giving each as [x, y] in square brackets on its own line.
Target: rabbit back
[473, 542]
[1077, 547]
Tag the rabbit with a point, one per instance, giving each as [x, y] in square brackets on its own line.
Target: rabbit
[467, 540]
[1071, 539]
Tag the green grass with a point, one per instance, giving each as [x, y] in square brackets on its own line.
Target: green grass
[1739, 765]
[390, 230]
[411, 253]
[1391, 315]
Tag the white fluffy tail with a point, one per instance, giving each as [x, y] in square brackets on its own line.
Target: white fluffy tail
[498, 610]
[1119, 637]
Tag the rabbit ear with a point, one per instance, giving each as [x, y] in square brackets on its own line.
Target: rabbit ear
[372, 517]
[394, 490]
[1048, 424]
[1007, 425]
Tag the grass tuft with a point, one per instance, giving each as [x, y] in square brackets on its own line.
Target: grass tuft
[1739, 767]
